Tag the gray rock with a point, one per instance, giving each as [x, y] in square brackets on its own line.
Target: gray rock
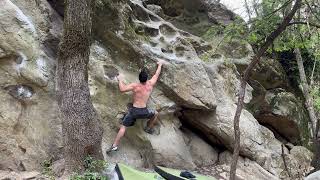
[58, 167]
[313, 176]
[299, 161]
[285, 114]
[28, 110]
[202, 153]
[184, 79]
[20, 175]
[273, 106]
[269, 73]
[246, 168]
[156, 9]
[168, 148]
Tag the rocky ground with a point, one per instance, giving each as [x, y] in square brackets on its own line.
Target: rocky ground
[196, 94]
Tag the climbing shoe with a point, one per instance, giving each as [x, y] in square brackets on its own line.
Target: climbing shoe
[187, 174]
[149, 130]
[112, 149]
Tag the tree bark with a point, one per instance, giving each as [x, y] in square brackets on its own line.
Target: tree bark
[312, 73]
[306, 23]
[310, 108]
[306, 92]
[81, 128]
[244, 79]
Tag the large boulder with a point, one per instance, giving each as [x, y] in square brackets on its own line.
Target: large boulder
[298, 161]
[217, 12]
[29, 125]
[273, 103]
[168, 148]
[285, 114]
[257, 142]
[184, 79]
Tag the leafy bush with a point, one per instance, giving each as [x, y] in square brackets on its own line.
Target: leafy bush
[93, 167]
[47, 169]
[88, 176]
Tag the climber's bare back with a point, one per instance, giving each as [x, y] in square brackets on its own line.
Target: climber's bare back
[141, 94]
[141, 91]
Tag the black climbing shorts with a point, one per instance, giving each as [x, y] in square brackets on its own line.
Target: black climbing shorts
[137, 113]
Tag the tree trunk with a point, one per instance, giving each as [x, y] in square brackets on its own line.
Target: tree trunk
[312, 73]
[306, 92]
[310, 108]
[81, 128]
[244, 79]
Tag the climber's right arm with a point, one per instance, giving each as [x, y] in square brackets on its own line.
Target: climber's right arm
[155, 77]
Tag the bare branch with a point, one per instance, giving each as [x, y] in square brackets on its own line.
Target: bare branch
[273, 12]
[309, 6]
[305, 23]
[248, 9]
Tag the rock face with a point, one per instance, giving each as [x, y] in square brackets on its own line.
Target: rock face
[195, 16]
[286, 114]
[196, 99]
[29, 127]
[273, 104]
[202, 153]
[269, 73]
[22, 175]
[313, 176]
[248, 169]
[162, 39]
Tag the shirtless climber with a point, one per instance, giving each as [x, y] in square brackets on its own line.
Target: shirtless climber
[141, 93]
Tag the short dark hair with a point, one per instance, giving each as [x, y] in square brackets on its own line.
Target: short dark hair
[143, 76]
